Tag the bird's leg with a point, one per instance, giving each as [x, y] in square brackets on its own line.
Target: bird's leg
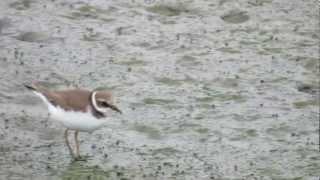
[67, 142]
[77, 143]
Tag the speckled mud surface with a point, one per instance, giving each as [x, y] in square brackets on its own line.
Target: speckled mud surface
[223, 89]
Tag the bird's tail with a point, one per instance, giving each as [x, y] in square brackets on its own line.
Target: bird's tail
[33, 87]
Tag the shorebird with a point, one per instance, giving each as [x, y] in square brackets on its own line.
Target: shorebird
[77, 109]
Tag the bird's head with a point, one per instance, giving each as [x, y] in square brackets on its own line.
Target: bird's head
[102, 101]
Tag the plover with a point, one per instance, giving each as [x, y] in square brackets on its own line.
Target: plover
[77, 109]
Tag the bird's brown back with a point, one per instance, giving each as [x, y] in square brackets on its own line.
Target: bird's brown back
[75, 99]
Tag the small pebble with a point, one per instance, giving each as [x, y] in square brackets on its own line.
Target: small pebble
[117, 142]
[119, 173]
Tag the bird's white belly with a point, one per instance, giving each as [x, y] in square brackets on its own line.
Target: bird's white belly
[76, 120]
[81, 121]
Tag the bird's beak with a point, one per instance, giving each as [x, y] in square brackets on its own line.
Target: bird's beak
[115, 108]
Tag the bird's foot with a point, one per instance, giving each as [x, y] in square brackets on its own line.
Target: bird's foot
[80, 158]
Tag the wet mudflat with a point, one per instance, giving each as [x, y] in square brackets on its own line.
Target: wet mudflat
[209, 89]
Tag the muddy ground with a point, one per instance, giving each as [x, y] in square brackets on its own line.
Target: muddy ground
[224, 89]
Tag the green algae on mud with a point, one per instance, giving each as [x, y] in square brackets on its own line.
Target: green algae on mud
[89, 12]
[79, 170]
[150, 131]
[304, 104]
[229, 50]
[158, 101]
[167, 151]
[21, 4]
[166, 10]
[223, 97]
[133, 62]
[236, 17]
[169, 81]
[188, 61]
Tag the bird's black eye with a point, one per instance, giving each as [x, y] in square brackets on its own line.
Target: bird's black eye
[105, 104]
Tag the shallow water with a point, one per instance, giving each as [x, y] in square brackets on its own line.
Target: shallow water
[223, 89]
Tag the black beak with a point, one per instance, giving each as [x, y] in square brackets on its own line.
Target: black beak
[115, 108]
